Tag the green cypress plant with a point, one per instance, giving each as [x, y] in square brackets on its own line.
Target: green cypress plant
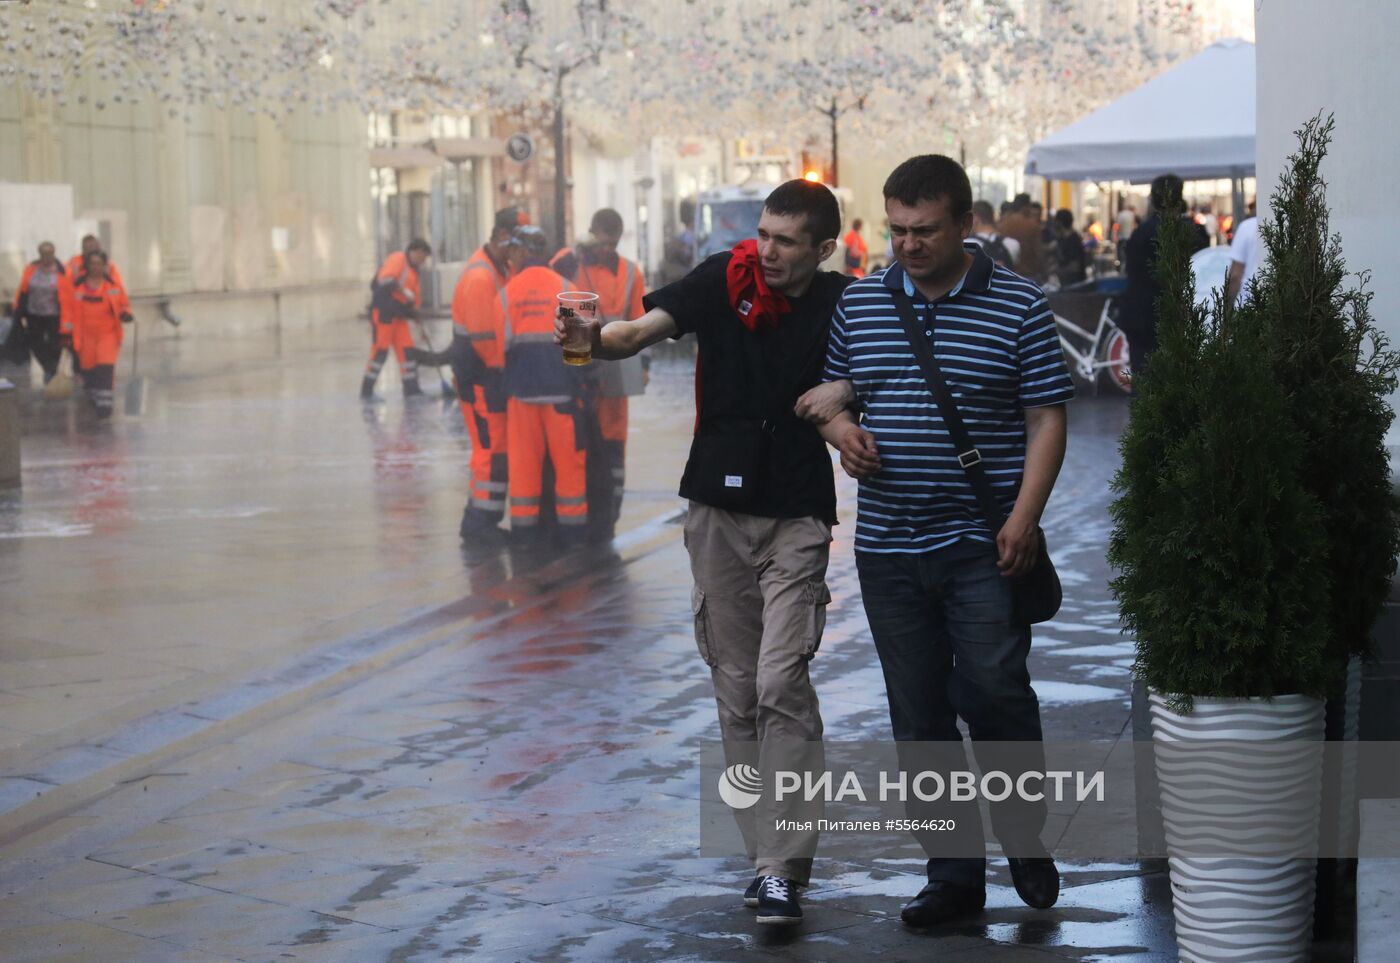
[1217, 544]
[1337, 371]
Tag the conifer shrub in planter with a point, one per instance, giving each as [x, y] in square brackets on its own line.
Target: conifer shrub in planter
[1255, 534]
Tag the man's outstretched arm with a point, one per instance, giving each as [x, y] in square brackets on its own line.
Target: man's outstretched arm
[622, 339]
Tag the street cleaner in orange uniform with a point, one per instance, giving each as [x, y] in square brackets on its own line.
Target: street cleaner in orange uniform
[42, 303]
[596, 266]
[397, 296]
[857, 254]
[77, 264]
[543, 411]
[99, 309]
[477, 357]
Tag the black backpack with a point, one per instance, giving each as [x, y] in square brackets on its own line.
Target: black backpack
[997, 251]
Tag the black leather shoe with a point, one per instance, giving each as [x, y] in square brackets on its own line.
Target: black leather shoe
[939, 902]
[1037, 880]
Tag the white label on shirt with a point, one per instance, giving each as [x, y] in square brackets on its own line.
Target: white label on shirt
[733, 481]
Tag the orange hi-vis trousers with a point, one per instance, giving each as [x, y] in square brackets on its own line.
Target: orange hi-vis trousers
[490, 461]
[537, 430]
[394, 336]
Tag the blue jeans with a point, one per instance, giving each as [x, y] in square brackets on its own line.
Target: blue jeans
[943, 627]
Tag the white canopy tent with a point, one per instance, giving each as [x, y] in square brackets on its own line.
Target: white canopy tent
[1196, 121]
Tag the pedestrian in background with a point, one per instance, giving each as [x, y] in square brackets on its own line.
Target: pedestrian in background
[40, 306]
[1071, 265]
[1022, 225]
[544, 416]
[1138, 308]
[595, 266]
[100, 308]
[1245, 254]
[857, 254]
[477, 356]
[762, 498]
[77, 264]
[1210, 222]
[1123, 227]
[396, 297]
[985, 233]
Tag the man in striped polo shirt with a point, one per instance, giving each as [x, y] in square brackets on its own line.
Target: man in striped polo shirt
[936, 584]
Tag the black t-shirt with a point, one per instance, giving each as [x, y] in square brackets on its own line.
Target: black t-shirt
[758, 376]
[1138, 306]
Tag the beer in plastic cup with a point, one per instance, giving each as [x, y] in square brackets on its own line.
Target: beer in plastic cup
[579, 309]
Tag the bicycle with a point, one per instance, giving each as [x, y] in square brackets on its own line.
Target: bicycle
[1097, 355]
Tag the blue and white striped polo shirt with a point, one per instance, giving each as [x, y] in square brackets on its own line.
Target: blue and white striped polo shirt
[996, 344]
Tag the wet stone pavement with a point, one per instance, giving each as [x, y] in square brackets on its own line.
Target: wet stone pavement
[256, 702]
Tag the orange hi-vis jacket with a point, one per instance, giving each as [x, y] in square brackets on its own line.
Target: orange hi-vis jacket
[857, 254]
[619, 289]
[397, 268]
[65, 285]
[97, 322]
[478, 308]
[76, 270]
[535, 369]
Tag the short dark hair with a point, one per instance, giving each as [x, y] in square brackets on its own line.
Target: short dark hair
[928, 177]
[982, 210]
[606, 221]
[815, 202]
[508, 219]
[857, 224]
[1167, 193]
[92, 254]
[1064, 218]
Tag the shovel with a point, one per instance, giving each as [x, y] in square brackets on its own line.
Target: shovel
[449, 393]
[136, 387]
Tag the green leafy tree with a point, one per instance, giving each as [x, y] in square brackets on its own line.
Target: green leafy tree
[1337, 371]
[1217, 544]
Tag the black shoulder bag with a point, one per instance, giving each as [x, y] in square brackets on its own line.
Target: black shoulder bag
[1036, 595]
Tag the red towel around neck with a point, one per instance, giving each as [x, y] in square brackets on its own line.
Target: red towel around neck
[756, 304]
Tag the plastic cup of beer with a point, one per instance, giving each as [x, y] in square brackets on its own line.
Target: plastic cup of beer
[579, 308]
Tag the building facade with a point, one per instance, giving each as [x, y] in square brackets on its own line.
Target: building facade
[207, 208]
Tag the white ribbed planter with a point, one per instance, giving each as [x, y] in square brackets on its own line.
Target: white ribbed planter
[1232, 906]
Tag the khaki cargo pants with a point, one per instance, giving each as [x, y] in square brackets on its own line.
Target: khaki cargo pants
[760, 602]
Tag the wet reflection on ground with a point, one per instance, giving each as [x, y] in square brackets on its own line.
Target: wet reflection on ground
[313, 725]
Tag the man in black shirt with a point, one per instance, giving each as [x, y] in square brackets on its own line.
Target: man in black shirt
[1138, 307]
[762, 494]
